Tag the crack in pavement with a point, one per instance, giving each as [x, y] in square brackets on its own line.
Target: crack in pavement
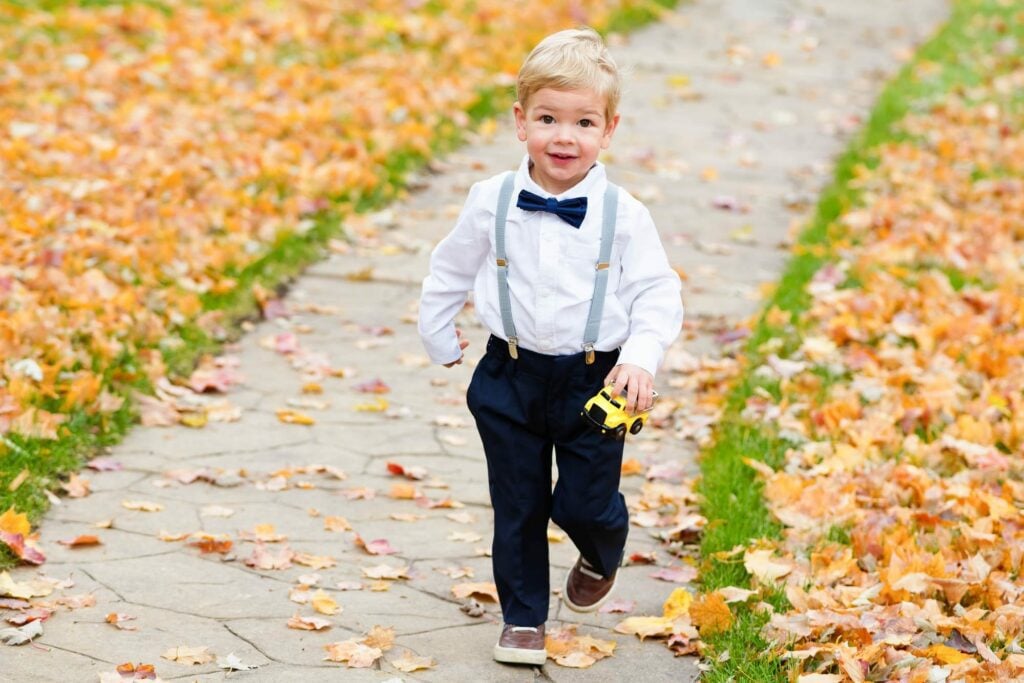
[75, 652]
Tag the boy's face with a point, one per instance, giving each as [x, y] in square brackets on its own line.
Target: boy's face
[564, 131]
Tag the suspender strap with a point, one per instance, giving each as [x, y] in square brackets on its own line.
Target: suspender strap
[504, 300]
[611, 205]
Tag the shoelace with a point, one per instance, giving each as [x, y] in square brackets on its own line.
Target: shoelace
[519, 629]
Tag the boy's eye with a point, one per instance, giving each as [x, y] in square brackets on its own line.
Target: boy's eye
[547, 119]
[586, 123]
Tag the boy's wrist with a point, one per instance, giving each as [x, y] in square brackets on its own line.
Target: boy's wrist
[642, 352]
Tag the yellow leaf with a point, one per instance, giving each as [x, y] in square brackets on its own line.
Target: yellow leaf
[944, 654]
[189, 655]
[294, 417]
[678, 604]
[379, 405]
[711, 614]
[487, 591]
[646, 626]
[409, 662]
[15, 522]
[195, 420]
[324, 603]
[380, 637]
[333, 523]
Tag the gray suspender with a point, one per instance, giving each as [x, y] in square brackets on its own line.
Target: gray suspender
[590, 333]
[504, 197]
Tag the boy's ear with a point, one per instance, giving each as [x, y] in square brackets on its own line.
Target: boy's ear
[520, 115]
[609, 130]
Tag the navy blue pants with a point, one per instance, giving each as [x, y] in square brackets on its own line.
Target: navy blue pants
[523, 408]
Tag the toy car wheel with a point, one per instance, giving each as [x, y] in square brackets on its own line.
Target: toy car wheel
[620, 432]
[636, 427]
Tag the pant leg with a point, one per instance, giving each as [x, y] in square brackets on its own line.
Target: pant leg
[586, 500]
[508, 407]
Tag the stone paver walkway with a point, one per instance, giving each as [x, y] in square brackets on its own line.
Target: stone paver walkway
[733, 112]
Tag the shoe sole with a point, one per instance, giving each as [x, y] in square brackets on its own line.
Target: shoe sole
[516, 655]
[587, 608]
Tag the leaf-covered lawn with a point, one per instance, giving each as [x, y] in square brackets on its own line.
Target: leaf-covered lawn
[896, 394]
[153, 154]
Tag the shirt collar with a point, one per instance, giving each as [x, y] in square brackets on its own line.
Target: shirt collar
[594, 180]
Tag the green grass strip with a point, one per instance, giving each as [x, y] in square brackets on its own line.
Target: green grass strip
[732, 497]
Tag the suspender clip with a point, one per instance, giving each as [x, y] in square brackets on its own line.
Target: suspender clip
[513, 347]
[589, 349]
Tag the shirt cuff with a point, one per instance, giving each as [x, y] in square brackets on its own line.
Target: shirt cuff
[442, 352]
[643, 352]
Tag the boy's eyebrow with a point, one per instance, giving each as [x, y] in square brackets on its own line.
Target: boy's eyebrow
[590, 111]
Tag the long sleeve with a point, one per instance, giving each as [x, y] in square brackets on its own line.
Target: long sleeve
[454, 264]
[649, 289]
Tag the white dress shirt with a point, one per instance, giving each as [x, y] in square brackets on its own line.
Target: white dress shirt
[551, 270]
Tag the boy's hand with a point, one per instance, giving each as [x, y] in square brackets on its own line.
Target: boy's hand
[463, 343]
[635, 383]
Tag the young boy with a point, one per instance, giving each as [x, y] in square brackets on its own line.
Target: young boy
[570, 277]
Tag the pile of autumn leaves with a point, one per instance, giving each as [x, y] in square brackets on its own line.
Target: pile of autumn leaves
[901, 494]
[145, 154]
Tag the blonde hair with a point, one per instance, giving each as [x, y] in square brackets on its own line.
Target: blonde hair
[568, 60]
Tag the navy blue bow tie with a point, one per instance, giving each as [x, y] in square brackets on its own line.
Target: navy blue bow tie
[572, 211]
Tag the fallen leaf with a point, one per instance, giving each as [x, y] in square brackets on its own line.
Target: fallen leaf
[378, 546]
[104, 465]
[406, 516]
[294, 417]
[308, 623]
[261, 558]
[266, 533]
[233, 663]
[485, 591]
[324, 603]
[353, 653]
[403, 492]
[409, 662]
[15, 522]
[383, 571]
[332, 523]
[24, 549]
[631, 467]
[415, 473]
[711, 614]
[185, 655]
[142, 505]
[645, 627]
[117, 619]
[215, 511]
[683, 574]
[79, 541]
[20, 636]
[380, 637]
[374, 386]
[26, 615]
[314, 561]
[618, 606]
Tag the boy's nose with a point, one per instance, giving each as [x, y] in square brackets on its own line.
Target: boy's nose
[563, 134]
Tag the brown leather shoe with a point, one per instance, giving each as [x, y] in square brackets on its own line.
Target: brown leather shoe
[521, 645]
[585, 590]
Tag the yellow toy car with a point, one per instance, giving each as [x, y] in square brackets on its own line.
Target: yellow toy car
[606, 413]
